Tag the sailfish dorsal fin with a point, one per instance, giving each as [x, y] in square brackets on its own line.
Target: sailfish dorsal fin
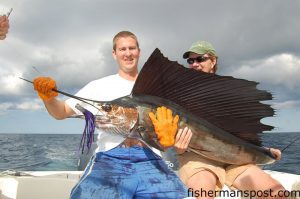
[231, 104]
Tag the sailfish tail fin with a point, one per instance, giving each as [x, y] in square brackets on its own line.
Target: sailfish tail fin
[231, 104]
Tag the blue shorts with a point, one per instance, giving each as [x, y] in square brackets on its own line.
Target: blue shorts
[126, 173]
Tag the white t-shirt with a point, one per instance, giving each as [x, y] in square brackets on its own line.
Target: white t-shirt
[104, 89]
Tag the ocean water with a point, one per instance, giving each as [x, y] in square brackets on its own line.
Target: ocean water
[55, 152]
[39, 152]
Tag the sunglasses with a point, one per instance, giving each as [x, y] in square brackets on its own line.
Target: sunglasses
[197, 59]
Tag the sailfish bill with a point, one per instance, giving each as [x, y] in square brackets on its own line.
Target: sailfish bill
[223, 112]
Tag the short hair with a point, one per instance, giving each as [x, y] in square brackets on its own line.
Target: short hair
[124, 34]
[216, 58]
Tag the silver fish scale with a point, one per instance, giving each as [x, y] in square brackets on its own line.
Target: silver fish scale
[119, 131]
[116, 131]
[124, 133]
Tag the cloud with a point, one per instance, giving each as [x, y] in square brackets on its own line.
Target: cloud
[26, 105]
[287, 105]
[10, 83]
[30, 105]
[279, 73]
[72, 42]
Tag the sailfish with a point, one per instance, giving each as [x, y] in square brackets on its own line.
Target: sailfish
[223, 112]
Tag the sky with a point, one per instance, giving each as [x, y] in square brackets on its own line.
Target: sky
[71, 41]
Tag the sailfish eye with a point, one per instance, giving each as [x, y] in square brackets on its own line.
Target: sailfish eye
[107, 107]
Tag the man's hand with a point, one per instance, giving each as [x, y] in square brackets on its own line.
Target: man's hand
[182, 140]
[44, 86]
[4, 25]
[165, 125]
[276, 153]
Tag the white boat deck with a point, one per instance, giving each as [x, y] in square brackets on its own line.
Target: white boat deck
[39, 185]
[58, 184]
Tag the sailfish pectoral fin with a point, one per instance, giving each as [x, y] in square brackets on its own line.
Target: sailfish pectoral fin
[145, 136]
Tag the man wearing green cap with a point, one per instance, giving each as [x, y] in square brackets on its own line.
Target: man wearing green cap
[202, 57]
[206, 175]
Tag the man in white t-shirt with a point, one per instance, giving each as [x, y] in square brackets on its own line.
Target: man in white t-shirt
[122, 167]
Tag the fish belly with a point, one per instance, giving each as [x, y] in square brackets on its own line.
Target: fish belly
[224, 147]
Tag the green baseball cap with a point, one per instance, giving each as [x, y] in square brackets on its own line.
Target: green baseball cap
[200, 47]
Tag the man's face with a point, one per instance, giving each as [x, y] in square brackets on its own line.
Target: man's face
[201, 62]
[127, 54]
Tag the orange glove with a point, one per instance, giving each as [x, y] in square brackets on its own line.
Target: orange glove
[165, 125]
[44, 86]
